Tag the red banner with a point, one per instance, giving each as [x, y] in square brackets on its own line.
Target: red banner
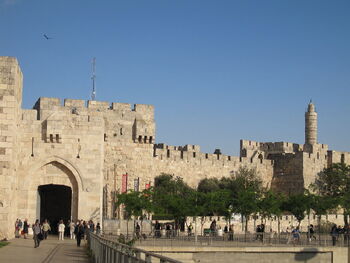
[148, 186]
[124, 183]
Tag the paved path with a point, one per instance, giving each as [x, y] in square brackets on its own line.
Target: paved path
[49, 251]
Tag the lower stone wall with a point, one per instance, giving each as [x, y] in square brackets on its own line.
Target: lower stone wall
[254, 254]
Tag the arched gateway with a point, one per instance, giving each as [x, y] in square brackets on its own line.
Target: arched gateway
[53, 191]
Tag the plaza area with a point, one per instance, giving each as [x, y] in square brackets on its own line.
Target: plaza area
[50, 251]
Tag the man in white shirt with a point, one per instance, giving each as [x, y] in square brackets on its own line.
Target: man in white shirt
[61, 227]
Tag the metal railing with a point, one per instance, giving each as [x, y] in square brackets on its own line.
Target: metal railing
[176, 238]
[105, 250]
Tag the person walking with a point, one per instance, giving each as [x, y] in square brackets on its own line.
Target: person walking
[17, 228]
[79, 232]
[311, 233]
[25, 228]
[296, 236]
[46, 229]
[67, 229]
[61, 228]
[137, 230]
[37, 233]
[189, 230]
[98, 229]
[71, 230]
[213, 228]
[20, 227]
[231, 232]
[91, 226]
[157, 229]
[334, 234]
[86, 230]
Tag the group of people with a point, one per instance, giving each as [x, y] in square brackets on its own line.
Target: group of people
[260, 230]
[338, 231]
[21, 228]
[78, 230]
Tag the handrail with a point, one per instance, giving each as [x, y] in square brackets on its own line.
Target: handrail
[106, 250]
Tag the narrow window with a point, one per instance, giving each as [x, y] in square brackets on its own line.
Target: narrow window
[105, 137]
[194, 154]
[206, 156]
[57, 138]
[150, 139]
[182, 155]
[121, 131]
[140, 139]
[32, 147]
[51, 137]
[168, 153]
[145, 139]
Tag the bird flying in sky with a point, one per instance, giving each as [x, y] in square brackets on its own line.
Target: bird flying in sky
[46, 37]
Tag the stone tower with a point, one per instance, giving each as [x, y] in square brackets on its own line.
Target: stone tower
[311, 125]
[10, 104]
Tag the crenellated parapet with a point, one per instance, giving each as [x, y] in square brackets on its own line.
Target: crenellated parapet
[121, 121]
[338, 157]
[192, 154]
[249, 148]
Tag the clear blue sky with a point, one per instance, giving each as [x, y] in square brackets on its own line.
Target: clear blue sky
[216, 71]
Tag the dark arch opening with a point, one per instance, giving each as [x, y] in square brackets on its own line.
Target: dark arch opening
[55, 204]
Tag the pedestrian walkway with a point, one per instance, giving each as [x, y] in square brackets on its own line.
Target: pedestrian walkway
[50, 251]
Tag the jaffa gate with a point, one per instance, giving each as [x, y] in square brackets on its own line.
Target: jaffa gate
[68, 159]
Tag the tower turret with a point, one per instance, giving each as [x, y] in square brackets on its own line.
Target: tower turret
[311, 124]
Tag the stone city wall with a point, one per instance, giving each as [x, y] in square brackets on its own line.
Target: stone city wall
[89, 146]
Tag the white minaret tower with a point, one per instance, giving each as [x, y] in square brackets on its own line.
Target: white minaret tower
[311, 124]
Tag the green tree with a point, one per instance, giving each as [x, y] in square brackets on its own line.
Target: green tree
[246, 189]
[173, 197]
[321, 205]
[134, 204]
[298, 205]
[334, 181]
[207, 185]
[246, 204]
[271, 204]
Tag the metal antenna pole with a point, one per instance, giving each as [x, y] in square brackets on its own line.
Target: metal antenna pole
[93, 94]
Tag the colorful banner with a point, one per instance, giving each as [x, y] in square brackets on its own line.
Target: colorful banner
[124, 183]
[148, 186]
[136, 184]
